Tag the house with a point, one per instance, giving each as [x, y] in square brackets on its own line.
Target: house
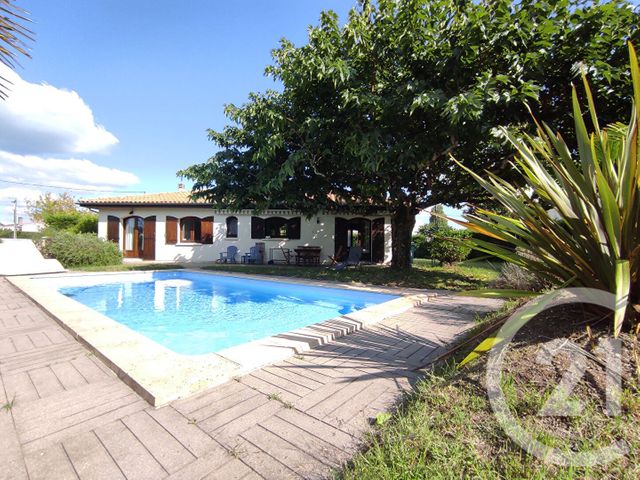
[173, 227]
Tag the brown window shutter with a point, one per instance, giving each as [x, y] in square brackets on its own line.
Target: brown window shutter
[171, 231]
[257, 227]
[113, 229]
[207, 230]
[293, 228]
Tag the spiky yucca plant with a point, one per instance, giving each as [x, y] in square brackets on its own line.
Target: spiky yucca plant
[13, 38]
[578, 216]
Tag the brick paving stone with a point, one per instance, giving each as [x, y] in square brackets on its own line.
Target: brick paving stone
[268, 388]
[49, 463]
[132, 457]
[281, 383]
[306, 441]
[90, 459]
[197, 441]
[286, 453]
[229, 414]
[264, 463]
[168, 451]
[212, 461]
[229, 432]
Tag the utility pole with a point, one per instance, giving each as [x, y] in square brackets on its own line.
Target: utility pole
[15, 218]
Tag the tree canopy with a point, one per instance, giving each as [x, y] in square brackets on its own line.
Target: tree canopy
[370, 110]
[61, 213]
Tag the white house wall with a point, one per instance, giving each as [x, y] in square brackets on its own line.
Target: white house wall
[319, 230]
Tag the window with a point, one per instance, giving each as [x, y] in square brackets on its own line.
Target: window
[190, 230]
[232, 227]
[275, 227]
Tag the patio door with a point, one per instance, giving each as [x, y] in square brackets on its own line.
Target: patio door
[133, 237]
[357, 232]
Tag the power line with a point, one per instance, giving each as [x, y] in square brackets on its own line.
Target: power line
[73, 189]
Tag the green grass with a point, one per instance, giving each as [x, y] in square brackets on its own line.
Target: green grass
[446, 430]
[463, 276]
[126, 267]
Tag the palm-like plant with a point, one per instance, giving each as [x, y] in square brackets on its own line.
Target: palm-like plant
[578, 217]
[13, 38]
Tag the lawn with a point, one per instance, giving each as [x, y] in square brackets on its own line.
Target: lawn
[126, 267]
[463, 276]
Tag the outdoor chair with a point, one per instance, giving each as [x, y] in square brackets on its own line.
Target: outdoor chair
[337, 258]
[253, 256]
[353, 259]
[229, 256]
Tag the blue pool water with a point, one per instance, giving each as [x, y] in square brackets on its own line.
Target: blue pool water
[197, 313]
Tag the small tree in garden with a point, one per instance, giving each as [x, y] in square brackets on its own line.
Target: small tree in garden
[61, 213]
[448, 245]
[578, 216]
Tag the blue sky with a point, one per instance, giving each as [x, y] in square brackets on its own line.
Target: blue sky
[149, 78]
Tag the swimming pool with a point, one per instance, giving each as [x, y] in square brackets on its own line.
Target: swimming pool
[195, 313]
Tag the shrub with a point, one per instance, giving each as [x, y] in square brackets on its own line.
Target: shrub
[579, 218]
[448, 245]
[514, 277]
[420, 244]
[75, 222]
[78, 249]
[86, 223]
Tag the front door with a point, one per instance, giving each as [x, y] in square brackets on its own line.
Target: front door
[133, 237]
[149, 244]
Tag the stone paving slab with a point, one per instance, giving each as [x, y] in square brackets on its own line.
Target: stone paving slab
[302, 417]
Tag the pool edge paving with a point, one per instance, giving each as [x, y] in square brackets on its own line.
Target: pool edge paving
[160, 375]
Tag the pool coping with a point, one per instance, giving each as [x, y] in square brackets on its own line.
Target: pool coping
[160, 375]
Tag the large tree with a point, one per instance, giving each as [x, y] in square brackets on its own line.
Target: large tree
[369, 111]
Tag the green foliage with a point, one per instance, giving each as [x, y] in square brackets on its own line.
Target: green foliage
[448, 245]
[438, 241]
[74, 221]
[48, 203]
[578, 218]
[420, 244]
[77, 249]
[371, 108]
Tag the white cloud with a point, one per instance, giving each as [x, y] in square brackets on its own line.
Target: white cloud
[69, 173]
[43, 119]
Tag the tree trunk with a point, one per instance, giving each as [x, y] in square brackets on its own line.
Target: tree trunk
[402, 223]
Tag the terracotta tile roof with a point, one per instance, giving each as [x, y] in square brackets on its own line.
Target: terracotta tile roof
[167, 198]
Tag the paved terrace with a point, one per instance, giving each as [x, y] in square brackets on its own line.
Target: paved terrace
[71, 417]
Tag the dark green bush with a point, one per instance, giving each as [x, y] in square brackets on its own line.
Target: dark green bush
[420, 244]
[447, 245]
[78, 249]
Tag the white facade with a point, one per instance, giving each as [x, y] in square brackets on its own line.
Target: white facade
[318, 230]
